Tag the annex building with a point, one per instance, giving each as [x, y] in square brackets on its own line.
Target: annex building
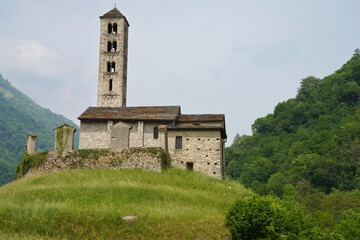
[194, 141]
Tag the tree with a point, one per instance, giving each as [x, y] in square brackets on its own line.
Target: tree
[349, 225]
[356, 52]
[306, 86]
[268, 217]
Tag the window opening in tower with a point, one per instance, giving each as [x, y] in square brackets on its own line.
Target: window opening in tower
[115, 28]
[113, 67]
[110, 28]
[110, 85]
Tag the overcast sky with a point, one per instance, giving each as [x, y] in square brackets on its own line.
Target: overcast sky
[235, 57]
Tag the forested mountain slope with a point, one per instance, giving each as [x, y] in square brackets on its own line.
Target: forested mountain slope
[19, 116]
[309, 142]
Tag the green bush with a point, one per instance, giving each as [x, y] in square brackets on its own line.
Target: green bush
[349, 225]
[165, 159]
[268, 217]
[23, 166]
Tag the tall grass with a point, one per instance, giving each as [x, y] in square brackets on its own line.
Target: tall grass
[90, 204]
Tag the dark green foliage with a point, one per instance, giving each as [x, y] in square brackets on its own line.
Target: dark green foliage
[327, 208]
[309, 150]
[19, 116]
[314, 137]
[268, 217]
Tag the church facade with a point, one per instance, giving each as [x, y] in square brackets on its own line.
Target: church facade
[194, 141]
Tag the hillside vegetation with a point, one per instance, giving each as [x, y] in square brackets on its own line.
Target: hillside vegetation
[309, 143]
[19, 116]
[308, 150]
[90, 204]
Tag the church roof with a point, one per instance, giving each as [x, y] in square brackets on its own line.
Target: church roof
[201, 122]
[66, 125]
[201, 117]
[114, 13]
[162, 113]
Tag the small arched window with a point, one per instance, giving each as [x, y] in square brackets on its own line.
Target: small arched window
[115, 28]
[110, 28]
[108, 67]
[156, 132]
[110, 85]
[113, 67]
[109, 46]
[114, 45]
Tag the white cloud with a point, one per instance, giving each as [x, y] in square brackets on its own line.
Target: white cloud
[31, 56]
[34, 56]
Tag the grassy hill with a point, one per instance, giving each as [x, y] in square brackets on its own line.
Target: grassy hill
[90, 204]
[19, 116]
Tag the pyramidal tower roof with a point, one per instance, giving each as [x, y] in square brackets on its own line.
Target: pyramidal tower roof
[114, 13]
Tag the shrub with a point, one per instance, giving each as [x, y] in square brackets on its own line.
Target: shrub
[165, 159]
[268, 217]
[349, 225]
[28, 162]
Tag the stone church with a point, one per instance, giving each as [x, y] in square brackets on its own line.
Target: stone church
[194, 141]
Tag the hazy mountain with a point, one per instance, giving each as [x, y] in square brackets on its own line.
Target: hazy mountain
[19, 116]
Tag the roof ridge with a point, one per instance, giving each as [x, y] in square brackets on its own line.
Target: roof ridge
[114, 13]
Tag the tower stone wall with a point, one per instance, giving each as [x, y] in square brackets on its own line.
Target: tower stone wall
[113, 50]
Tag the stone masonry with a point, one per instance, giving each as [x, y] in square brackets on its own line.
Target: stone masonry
[30, 144]
[64, 139]
[131, 158]
[113, 50]
[203, 150]
[97, 135]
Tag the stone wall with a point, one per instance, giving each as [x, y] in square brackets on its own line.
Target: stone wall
[94, 135]
[142, 134]
[201, 148]
[149, 140]
[97, 134]
[136, 134]
[149, 159]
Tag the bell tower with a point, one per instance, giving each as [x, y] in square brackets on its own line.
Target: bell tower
[113, 59]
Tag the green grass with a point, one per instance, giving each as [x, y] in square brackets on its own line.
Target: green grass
[90, 204]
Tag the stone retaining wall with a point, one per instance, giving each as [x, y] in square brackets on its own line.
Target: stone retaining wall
[150, 159]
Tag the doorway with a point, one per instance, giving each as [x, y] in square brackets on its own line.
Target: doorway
[189, 166]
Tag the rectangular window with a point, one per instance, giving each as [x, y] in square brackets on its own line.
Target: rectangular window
[178, 142]
[110, 84]
[156, 132]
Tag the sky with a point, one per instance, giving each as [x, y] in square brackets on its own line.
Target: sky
[235, 57]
